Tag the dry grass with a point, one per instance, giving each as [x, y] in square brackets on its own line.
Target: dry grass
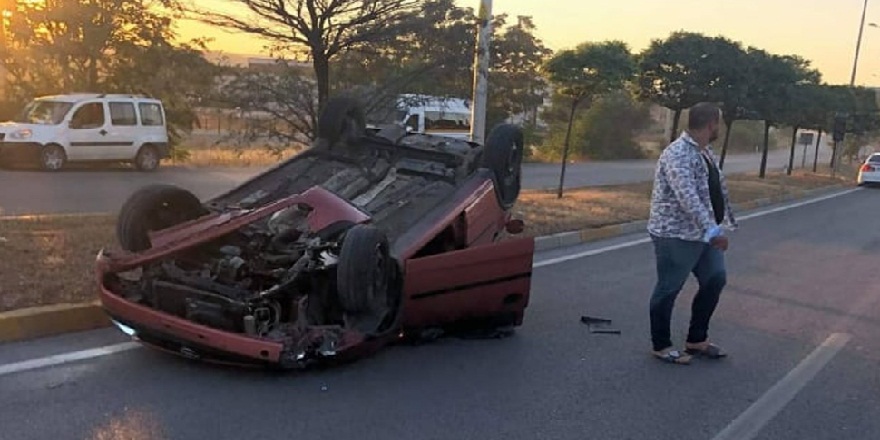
[230, 157]
[49, 260]
[596, 207]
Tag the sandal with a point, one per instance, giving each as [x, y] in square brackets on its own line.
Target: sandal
[672, 356]
[710, 351]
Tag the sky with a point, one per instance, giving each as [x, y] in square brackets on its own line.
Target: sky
[822, 31]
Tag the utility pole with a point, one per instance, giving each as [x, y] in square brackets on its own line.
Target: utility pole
[835, 153]
[852, 80]
[481, 72]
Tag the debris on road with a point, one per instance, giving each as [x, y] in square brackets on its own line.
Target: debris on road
[599, 325]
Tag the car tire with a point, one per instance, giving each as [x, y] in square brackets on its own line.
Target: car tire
[52, 157]
[503, 155]
[341, 121]
[364, 273]
[153, 208]
[147, 158]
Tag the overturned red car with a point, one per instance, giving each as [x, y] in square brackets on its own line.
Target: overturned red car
[369, 237]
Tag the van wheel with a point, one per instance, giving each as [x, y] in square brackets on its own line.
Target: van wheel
[503, 155]
[52, 157]
[153, 208]
[147, 158]
[341, 121]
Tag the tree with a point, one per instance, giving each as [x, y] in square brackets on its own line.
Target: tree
[774, 79]
[517, 87]
[581, 74]
[688, 68]
[322, 29]
[808, 108]
[605, 131]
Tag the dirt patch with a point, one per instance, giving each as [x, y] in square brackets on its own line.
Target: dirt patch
[49, 259]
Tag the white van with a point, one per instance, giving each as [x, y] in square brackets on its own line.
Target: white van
[450, 117]
[54, 130]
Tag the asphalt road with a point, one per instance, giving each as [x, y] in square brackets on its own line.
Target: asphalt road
[102, 190]
[800, 316]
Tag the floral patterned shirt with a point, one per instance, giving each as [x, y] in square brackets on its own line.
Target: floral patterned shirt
[681, 205]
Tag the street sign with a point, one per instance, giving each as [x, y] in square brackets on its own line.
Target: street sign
[806, 139]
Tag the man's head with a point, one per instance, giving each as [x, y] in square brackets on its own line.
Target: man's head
[704, 122]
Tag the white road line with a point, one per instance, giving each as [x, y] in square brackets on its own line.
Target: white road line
[756, 416]
[65, 358]
[590, 253]
[61, 359]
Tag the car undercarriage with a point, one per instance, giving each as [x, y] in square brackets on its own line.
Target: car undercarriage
[310, 256]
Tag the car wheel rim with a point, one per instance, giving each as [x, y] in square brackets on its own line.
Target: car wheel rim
[52, 159]
[148, 160]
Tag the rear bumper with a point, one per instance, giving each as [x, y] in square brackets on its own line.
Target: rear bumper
[20, 152]
[869, 177]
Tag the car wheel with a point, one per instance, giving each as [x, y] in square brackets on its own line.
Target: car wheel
[52, 157]
[153, 208]
[341, 121]
[364, 272]
[503, 155]
[147, 158]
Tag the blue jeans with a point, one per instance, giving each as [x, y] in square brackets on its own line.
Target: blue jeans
[676, 260]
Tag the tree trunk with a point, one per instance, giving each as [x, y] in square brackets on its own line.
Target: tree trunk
[816, 157]
[565, 147]
[793, 145]
[726, 142]
[763, 172]
[675, 121]
[322, 77]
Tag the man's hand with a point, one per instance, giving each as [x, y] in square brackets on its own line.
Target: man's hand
[720, 242]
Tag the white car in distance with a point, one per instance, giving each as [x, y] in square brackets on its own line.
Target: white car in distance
[869, 172]
[52, 131]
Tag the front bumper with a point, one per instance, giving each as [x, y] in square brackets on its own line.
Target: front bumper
[19, 152]
[185, 337]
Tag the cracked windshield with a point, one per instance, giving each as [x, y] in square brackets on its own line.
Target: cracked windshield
[439, 219]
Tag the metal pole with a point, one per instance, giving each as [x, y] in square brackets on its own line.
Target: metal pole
[852, 80]
[481, 72]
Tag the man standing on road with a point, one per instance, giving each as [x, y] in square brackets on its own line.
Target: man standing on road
[689, 209]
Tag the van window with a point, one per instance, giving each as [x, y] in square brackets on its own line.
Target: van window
[90, 115]
[122, 113]
[447, 121]
[151, 114]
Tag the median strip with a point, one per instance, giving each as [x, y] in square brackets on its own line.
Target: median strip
[47, 285]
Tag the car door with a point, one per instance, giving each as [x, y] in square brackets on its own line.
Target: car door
[122, 131]
[477, 283]
[87, 132]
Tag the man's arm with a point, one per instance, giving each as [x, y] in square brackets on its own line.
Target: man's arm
[683, 184]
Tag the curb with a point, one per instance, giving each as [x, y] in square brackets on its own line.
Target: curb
[36, 322]
[42, 321]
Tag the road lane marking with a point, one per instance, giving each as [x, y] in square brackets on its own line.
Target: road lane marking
[112, 349]
[60, 359]
[619, 246]
[756, 416]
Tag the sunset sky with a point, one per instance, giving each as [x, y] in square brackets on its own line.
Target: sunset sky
[823, 31]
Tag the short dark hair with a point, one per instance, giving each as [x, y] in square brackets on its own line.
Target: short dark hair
[702, 114]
